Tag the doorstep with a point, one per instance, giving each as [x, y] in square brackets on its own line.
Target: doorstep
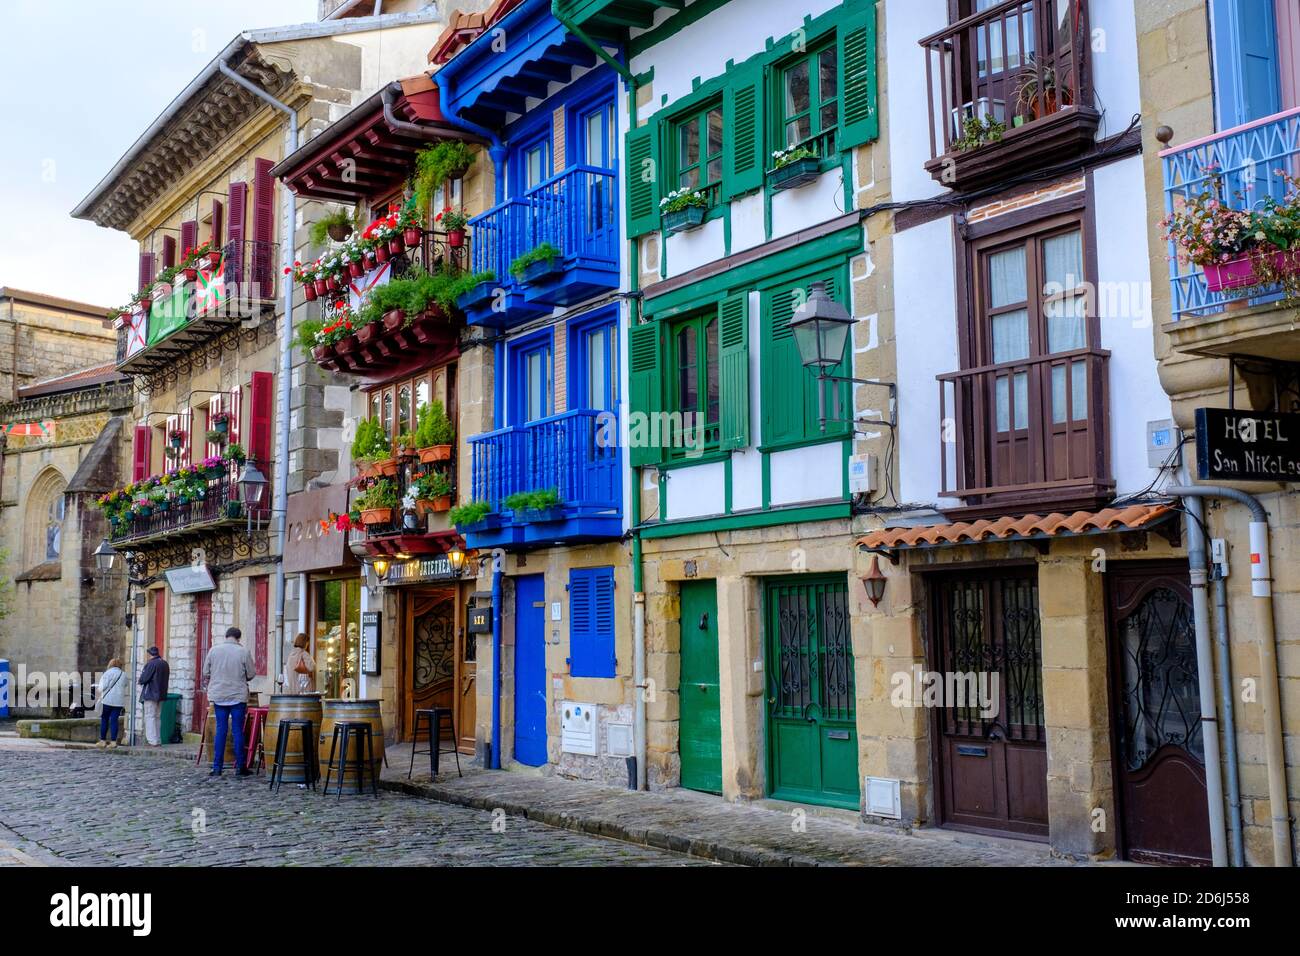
[762, 833]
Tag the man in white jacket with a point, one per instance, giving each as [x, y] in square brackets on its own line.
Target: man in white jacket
[226, 672]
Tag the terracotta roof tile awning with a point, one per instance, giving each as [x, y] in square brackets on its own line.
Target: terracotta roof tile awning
[1139, 517]
[362, 156]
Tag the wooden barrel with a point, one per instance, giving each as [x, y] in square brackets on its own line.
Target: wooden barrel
[290, 707]
[336, 711]
[209, 740]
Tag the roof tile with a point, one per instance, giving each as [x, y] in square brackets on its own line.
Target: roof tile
[1005, 528]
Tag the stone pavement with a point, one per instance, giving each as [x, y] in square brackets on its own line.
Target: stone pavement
[61, 806]
[769, 833]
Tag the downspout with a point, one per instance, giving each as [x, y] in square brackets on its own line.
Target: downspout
[496, 149]
[1198, 571]
[1261, 586]
[280, 503]
[495, 763]
[1223, 662]
[388, 97]
[639, 687]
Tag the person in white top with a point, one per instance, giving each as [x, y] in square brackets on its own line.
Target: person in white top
[112, 698]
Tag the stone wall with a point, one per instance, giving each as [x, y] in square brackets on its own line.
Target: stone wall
[43, 337]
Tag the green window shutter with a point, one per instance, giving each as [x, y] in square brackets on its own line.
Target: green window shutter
[742, 130]
[857, 57]
[643, 173]
[645, 393]
[733, 369]
[789, 391]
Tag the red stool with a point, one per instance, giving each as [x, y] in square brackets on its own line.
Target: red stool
[254, 724]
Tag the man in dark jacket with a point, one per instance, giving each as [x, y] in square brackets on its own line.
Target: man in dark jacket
[153, 691]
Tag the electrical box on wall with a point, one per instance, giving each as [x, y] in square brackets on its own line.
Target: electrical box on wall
[578, 728]
[862, 474]
[1163, 437]
[618, 740]
[883, 798]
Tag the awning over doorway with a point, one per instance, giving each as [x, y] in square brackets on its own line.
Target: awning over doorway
[1137, 517]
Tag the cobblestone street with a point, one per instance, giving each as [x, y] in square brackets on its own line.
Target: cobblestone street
[88, 808]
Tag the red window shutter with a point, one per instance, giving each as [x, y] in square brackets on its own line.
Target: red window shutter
[261, 399]
[235, 406]
[189, 235]
[218, 222]
[264, 225]
[238, 226]
[169, 252]
[187, 449]
[141, 449]
[261, 619]
[146, 268]
[214, 406]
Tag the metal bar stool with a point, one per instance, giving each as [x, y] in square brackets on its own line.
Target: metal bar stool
[360, 732]
[433, 720]
[311, 759]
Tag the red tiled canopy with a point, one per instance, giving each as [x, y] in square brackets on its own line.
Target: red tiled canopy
[1030, 527]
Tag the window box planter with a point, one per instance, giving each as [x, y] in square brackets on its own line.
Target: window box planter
[143, 511]
[793, 175]
[216, 472]
[490, 522]
[540, 515]
[542, 270]
[388, 467]
[434, 453]
[476, 296]
[322, 353]
[214, 261]
[372, 516]
[234, 509]
[684, 220]
[394, 320]
[367, 332]
[1240, 273]
[146, 305]
[427, 506]
[191, 274]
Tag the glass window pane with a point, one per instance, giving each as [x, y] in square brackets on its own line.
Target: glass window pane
[535, 172]
[715, 131]
[1011, 398]
[595, 140]
[1022, 399]
[388, 413]
[597, 352]
[1011, 336]
[796, 89]
[690, 178]
[688, 140]
[1079, 389]
[828, 117]
[827, 74]
[1002, 390]
[711, 370]
[1063, 262]
[1007, 283]
[1065, 324]
[535, 386]
[687, 387]
[797, 131]
[421, 392]
[714, 173]
[1058, 394]
[404, 408]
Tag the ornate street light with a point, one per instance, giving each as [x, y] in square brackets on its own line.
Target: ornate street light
[457, 558]
[874, 581]
[105, 555]
[252, 487]
[381, 565]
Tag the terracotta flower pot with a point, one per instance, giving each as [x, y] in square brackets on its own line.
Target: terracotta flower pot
[371, 516]
[388, 467]
[332, 283]
[309, 290]
[396, 246]
[214, 261]
[146, 304]
[321, 352]
[320, 286]
[191, 275]
[368, 261]
[381, 252]
[435, 453]
[394, 319]
[456, 238]
[367, 332]
[412, 235]
[356, 270]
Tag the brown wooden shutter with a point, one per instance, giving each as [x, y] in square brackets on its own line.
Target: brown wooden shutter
[261, 403]
[264, 224]
[169, 252]
[142, 447]
[238, 218]
[146, 269]
[218, 222]
[189, 235]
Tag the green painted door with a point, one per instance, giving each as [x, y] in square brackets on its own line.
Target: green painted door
[812, 729]
[701, 717]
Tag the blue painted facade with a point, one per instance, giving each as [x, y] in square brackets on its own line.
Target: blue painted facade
[548, 105]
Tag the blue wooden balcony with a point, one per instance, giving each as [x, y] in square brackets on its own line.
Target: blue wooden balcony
[575, 212]
[1241, 167]
[577, 454]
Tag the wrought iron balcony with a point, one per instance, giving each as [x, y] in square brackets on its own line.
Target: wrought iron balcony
[1241, 167]
[1022, 64]
[1028, 432]
[417, 532]
[218, 504]
[575, 453]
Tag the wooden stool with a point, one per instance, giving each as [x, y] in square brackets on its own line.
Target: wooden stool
[433, 719]
[365, 759]
[254, 723]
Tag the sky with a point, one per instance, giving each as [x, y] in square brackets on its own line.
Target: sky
[80, 80]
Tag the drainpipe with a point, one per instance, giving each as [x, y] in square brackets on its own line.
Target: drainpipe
[1261, 586]
[495, 763]
[280, 503]
[1198, 561]
[388, 97]
[1226, 704]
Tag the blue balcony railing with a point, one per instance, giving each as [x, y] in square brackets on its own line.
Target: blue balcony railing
[576, 453]
[1241, 167]
[576, 211]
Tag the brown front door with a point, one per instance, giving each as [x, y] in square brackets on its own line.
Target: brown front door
[466, 681]
[1155, 715]
[986, 654]
[431, 652]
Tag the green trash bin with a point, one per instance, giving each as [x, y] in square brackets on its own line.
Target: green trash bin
[170, 727]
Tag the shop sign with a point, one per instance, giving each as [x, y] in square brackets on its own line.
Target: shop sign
[370, 643]
[435, 568]
[190, 580]
[1236, 445]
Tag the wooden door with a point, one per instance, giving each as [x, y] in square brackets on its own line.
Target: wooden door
[466, 683]
[700, 735]
[1155, 715]
[812, 714]
[430, 653]
[530, 670]
[160, 628]
[202, 644]
[987, 649]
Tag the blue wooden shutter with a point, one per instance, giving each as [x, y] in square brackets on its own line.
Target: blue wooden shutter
[591, 622]
[603, 614]
[733, 369]
[744, 152]
[1246, 72]
[860, 122]
[643, 179]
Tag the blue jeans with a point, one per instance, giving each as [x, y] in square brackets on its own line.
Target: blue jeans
[108, 717]
[235, 714]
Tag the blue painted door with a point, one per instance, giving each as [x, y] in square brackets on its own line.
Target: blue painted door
[530, 670]
[1247, 82]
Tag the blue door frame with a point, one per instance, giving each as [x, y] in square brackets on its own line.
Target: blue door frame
[530, 670]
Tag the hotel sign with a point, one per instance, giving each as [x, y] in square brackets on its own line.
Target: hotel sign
[1236, 445]
[435, 568]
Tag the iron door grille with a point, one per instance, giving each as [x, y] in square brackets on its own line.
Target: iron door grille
[814, 651]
